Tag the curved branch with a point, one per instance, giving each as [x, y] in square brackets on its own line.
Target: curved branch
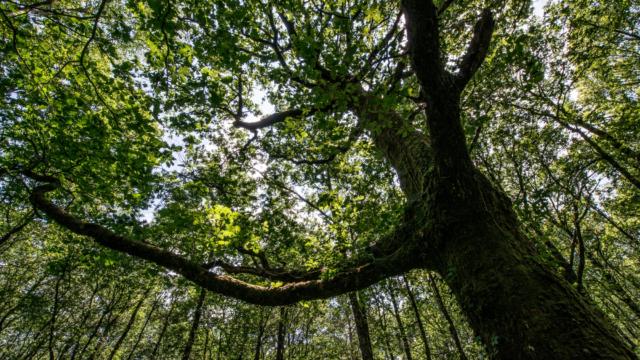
[477, 50]
[358, 277]
[277, 274]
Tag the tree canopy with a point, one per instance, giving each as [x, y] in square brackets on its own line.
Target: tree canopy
[465, 159]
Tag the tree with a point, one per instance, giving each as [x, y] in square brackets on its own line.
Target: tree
[369, 143]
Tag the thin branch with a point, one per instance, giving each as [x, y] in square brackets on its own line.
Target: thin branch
[328, 159]
[16, 229]
[444, 6]
[94, 30]
[84, 51]
[14, 40]
[384, 43]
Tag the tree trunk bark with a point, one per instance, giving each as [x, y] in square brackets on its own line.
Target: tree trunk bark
[518, 307]
[514, 303]
[362, 326]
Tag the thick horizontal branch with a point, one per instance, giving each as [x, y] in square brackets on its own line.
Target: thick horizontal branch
[275, 274]
[271, 119]
[358, 277]
[477, 50]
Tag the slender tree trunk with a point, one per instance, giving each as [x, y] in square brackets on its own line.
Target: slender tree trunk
[416, 312]
[154, 306]
[243, 341]
[194, 325]
[403, 334]
[383, 328]
[205, 349]
[614, 285]
[111, 322]
[107, 311]
[362, 326]
[165, 325]
[54, 314]
[261, 326]
[127, 328]
[224, 316]
[12, 309]
[443, 309]
[281, 334]
[352, 355]
[577, 229]
[74, 338]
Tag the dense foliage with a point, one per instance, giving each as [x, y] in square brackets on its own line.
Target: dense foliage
[230, 134]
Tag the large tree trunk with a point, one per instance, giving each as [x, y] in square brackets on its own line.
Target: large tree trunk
[515, 304]
[518, 307]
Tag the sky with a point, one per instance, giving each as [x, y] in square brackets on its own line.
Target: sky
[538, 7]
